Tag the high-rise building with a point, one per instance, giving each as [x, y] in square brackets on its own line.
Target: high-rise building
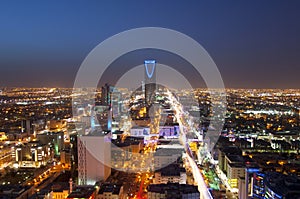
[26, 127]
[116, 102]
[234, 169]
[102, 117]
[106, 92]
[234, 172]
[150, 81]
[94, 159]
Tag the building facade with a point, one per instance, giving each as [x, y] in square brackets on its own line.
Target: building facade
[94, 159]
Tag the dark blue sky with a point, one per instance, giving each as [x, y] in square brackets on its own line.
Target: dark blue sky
[255, 44]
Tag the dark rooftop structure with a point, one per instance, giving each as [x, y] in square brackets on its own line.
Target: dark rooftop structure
[82, 192]
[235, 158]
[286, 133]
[168, 152]
[110, 188]
[12, 191]
[173, 190]
[285, 186]
[231, 150]
[171, 170]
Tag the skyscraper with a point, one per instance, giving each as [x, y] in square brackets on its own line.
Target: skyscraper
[150, 81]
[27, 127]
[101, 118]
[94, 159]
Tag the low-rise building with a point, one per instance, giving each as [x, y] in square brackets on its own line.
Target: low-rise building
[59, 190]
[15, 191]
[170, 174]
[166, 156]
[110, 191]
[31, 155]
[55, 139]
[83, 192]
[173, 190]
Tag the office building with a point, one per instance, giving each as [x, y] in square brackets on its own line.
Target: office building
[94, 159]
[27, 127]
[124, 151]
[106, 95]
[234, 172]
[234, 169]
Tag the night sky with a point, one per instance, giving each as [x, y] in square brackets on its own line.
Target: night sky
[255, 44]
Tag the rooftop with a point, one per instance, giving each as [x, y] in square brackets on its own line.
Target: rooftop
[11, 191]
[82, 192]
[171, 170]
[174, 189]
[168, 152]
[283, 185]
[110, 188]
[235, 158]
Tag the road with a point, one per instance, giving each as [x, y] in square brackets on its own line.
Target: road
[186, 125]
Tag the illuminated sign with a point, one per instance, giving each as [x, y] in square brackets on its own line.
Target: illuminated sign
[252, 170]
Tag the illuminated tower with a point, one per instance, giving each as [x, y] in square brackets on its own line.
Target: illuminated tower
[150, 81]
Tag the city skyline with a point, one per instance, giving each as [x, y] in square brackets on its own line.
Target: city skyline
[253, 44]
[150, 99]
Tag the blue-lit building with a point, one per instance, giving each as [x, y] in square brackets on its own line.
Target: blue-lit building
[258, 191]
[280, 186]
[273, 185]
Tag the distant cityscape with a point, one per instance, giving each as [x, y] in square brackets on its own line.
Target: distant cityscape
[148, 143]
